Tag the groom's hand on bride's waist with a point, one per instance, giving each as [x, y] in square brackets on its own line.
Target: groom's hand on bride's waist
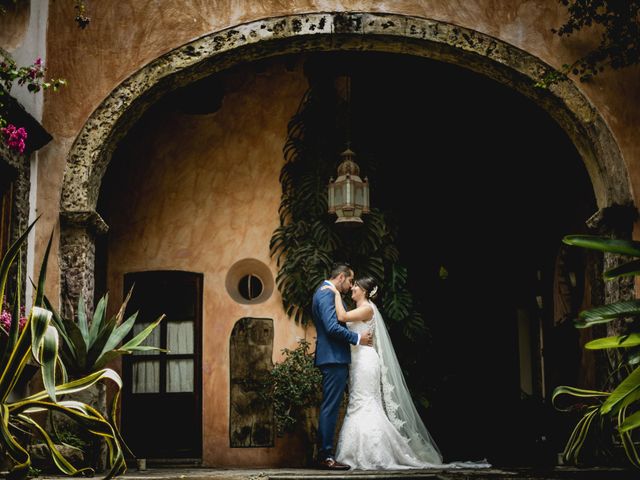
[366, 339]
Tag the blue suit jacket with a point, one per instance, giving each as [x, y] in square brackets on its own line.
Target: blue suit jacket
[333, 337]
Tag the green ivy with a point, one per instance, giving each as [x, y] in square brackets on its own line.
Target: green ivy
[308, 241]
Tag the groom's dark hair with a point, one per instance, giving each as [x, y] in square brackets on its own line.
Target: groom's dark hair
[339, 268]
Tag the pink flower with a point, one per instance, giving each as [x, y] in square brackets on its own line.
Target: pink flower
[6, 319]
[14, 137]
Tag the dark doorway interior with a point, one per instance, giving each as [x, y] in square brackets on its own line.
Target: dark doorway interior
[482, 185]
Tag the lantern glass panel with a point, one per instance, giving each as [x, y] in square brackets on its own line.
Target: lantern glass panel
[331, 201]
[338, 195]
[348, 194]
[365, 194]
[359, 194]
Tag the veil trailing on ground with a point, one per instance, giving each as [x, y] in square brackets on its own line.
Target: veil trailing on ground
[396, 398]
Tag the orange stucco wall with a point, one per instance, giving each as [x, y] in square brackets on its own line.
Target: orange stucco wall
[126, 35]
[200, 193]
[205, 182]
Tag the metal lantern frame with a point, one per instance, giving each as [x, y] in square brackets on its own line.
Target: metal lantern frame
[348, 195]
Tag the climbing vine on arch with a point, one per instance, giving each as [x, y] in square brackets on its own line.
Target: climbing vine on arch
[308, 241]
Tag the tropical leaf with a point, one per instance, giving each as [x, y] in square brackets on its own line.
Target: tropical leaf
[632, 422]
[142, 336]
[89, 419]
[97, 320]
[39, 340]
[624, 270]
[14, 331]
[18, 454]
[607, 313]
[578, 436]
[49, 358]
[576, 392]
[613, 406]
[633, 358]
[83, 323]
[123, 307]
[414, 326]
[74, 386]
[76, 346]
[39, 323]
[105, 335]
[630, 448]
[115, 337]
[623, 341]
[55, 318]
[627, 391]
[11, 370]
[59, 460]
[39, 299]
[10, 256]
[604, 244]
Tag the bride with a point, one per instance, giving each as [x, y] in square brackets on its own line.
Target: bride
[381, 429]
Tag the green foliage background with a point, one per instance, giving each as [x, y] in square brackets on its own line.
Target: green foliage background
[618, 25]
[308, 241]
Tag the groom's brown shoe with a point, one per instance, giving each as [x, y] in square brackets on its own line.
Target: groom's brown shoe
[331, 464]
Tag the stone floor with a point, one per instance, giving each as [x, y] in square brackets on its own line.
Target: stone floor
[558, 473]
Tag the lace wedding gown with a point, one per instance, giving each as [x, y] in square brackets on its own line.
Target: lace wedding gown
[382, 429]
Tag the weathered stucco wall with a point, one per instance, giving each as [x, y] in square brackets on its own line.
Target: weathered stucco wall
[123, 37]
[195, 199]
[229, 221]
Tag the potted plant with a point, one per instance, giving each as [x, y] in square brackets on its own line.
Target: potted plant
[294, 388]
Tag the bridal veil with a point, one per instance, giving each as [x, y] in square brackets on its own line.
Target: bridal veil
[397, 401]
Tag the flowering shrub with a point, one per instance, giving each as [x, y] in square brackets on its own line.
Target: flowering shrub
[6, 318]
[5, 323]
[31, 76]
[14, 137]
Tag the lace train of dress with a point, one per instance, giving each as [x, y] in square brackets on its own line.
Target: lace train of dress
[368, 439]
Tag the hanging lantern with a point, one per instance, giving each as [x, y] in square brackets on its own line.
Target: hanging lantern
[348, 194]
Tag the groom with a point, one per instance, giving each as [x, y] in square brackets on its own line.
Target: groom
[333, 356]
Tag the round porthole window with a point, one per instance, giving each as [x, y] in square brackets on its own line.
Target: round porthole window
[249, 281]
[250, 287]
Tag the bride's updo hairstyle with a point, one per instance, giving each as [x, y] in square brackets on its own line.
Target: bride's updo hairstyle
[369, 286]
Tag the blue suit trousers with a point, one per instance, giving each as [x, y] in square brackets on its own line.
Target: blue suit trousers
[334, 382]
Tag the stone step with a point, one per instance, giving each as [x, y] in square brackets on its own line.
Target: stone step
[558, 473]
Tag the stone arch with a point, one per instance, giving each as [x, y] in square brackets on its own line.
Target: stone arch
[515, 68]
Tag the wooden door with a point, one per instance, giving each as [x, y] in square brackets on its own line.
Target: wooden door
[162, 394]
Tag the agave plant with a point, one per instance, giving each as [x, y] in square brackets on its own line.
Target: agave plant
[89, 346]
[621, 404]
[39, 341]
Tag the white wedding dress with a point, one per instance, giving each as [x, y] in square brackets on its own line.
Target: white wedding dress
[382, 429]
